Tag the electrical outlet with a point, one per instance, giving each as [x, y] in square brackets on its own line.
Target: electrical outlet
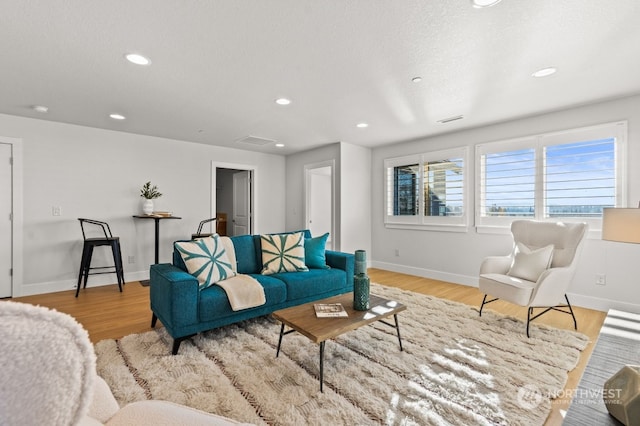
[56, 211]
[132, 259]
[397, 252]
[601, 279]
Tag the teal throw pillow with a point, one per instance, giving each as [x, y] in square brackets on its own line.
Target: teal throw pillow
[282, 253]
[206, 259]
[314, 249]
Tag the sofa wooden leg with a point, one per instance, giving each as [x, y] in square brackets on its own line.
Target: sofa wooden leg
[176, 346]
[176, 343]
[154, 319]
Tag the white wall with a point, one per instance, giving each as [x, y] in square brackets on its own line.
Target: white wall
[355, 196]
[456, 257]
[98, 173]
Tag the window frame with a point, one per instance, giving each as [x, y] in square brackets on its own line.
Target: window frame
[616, 130]
[420, 221]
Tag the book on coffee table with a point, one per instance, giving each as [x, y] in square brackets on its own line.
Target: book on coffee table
[329, 310]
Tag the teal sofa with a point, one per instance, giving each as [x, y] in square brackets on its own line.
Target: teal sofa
[184, 310]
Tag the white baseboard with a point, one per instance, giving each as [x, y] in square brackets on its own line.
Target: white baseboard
[65, 285]
[427, 273]
[580, 300]
[603, 305]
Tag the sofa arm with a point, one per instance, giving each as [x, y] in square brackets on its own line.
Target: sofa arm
[174, 296]
[341, 260]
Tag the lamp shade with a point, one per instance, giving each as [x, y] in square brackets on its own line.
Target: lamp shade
[622, 225]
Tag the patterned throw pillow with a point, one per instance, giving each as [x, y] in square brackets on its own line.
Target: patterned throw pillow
[282, 253]
[206, 259]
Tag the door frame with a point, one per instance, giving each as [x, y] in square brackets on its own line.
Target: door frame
[17, 214]
[308, 169]
[215, 165]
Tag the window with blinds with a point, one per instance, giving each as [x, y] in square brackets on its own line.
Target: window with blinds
[426, 190]
[580, 178]
[508, 182]
[444, 187]
[571, 175]
[406, 190]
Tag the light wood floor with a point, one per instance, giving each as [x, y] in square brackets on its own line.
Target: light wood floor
[108, 314]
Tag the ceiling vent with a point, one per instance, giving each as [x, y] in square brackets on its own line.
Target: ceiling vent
[255, 140]
[450, 119]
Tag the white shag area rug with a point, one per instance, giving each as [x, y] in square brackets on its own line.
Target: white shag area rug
[456, 368]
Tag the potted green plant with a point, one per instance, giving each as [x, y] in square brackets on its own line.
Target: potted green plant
[149, 193]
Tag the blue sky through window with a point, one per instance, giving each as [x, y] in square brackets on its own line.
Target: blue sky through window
[578, 180]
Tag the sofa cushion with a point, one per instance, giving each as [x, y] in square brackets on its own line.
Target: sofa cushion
[314, 252]
[315, 281]
[214, 303]
[282, 253]
[248, 254]
[206, 259]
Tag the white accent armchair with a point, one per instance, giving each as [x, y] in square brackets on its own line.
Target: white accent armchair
[48, 377]
[538, 271]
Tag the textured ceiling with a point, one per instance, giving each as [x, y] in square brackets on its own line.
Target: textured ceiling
[217, 66]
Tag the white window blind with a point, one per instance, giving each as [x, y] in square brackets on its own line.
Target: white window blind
[426, 190]
[572, 175]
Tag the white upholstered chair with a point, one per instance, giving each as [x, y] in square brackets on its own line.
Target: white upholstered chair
[48, 377]
[538, 271]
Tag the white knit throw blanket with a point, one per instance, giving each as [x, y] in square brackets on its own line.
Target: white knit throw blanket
[243, 291]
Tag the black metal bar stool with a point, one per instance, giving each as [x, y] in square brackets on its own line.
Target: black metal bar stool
[87, 253]
[199, 233]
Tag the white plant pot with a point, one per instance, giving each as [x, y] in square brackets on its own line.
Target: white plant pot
[147, 206]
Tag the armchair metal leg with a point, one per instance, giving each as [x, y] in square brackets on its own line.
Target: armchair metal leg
[484, 299]
[575, 323]
[553, 308]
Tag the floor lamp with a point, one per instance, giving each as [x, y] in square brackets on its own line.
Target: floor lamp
[621, 392]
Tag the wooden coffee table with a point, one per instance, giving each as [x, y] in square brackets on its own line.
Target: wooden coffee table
[303, 319]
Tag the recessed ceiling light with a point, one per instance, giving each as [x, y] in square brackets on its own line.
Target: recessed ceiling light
[279, 145]
[544, 72]
[362, 125]
[117, 116]
[40, 108]
[283, 101]
[137, 59]
[479, 4]
[416, 79]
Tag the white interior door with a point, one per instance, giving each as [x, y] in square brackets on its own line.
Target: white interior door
[6, 236]
[319, 201]
[241, 203]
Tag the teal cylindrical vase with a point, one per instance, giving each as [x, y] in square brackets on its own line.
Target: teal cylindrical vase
[361, 282]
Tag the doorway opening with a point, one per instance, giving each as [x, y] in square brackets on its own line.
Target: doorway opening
[320, 200]
[232, 198]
